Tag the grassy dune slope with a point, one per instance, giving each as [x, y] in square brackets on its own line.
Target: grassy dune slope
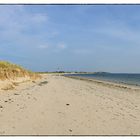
[12, 71]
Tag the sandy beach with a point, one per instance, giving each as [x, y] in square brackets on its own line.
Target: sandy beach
[58, 105]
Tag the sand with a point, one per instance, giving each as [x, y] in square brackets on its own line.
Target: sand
[57, 105]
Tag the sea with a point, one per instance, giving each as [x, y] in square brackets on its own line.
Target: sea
[125, 78]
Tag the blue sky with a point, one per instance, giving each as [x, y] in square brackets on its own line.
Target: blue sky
[71, 37]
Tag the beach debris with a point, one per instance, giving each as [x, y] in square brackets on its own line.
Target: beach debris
[1, 106]
[67, 104]
[43, 83]
[15, 83]
[70, 130]
[16, 94]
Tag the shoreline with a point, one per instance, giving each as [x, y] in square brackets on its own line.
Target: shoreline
[106, 83]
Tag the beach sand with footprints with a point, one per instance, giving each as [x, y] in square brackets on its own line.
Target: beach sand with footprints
[58, 105]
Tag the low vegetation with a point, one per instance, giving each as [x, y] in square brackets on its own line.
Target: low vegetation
[12, 71]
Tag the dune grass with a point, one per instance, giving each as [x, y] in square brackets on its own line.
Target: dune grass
[11, 71]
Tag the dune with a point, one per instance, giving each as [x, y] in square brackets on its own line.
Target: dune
[11, 75]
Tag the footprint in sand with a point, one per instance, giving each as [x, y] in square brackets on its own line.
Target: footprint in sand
[16, 94]
[116, 114]
[13, 127]
[132, 116]
[121, 109]
[28, 94]
[10, 100]
[1, 106]
[62, 113]
[34, 98]
[2, 132]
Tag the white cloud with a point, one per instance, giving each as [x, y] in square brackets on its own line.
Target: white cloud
[62, 46]
[16, 19]
[23, 28]
[55, 47]
[54, 33]
[38, 18]
[120, 31]
[82, 51]
[45, 46]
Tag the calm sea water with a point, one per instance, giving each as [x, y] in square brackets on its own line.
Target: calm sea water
[132, 79]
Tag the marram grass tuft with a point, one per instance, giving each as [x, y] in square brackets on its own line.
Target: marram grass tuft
[11, 71]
